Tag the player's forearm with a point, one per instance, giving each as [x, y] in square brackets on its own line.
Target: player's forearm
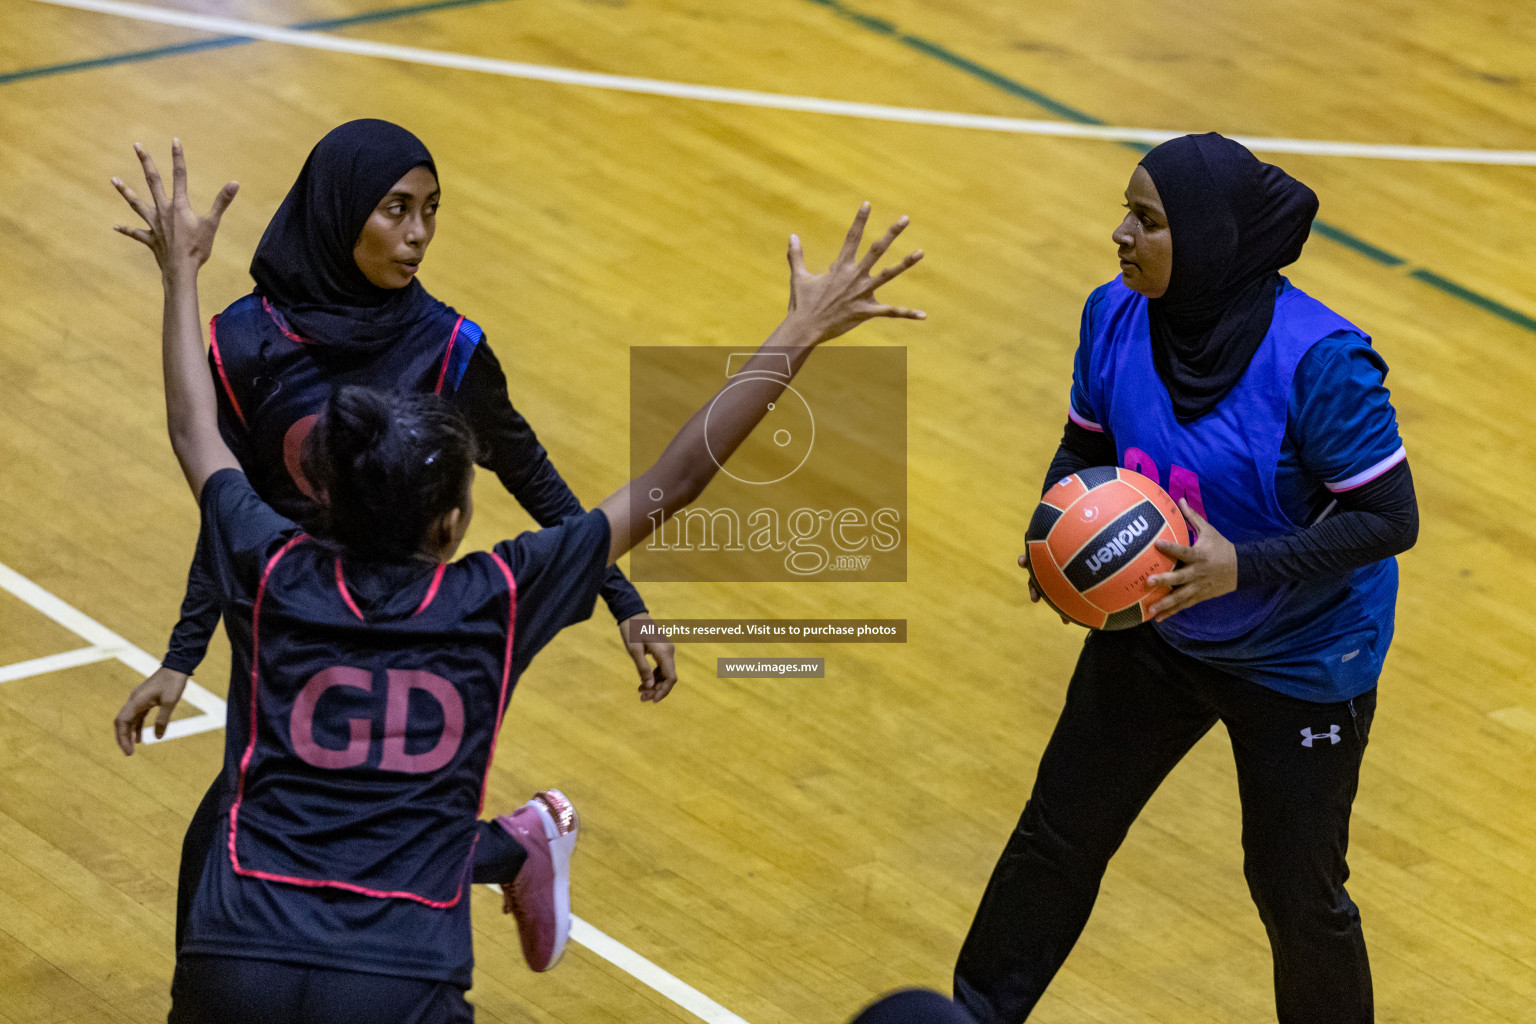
[200, 613]
[690, 461]
[1080, 449]
[1376, 521]
[822, 307]
[191, 408]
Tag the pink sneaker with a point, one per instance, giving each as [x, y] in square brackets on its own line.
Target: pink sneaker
[540, 896]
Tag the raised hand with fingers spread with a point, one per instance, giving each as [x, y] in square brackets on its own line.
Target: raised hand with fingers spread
[180, 239]
[844, 296]
[821, 307]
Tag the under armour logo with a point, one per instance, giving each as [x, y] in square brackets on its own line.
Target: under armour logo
[1307, 735]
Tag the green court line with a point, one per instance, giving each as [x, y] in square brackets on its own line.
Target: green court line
[1360, 245]
[953, 59]
[131, 57]
[1327, 230]
[867, 21]
[1477, 299]
[219, 42]
[388, 14]
[994, 79]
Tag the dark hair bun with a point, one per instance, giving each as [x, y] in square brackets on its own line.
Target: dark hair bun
[390, 465]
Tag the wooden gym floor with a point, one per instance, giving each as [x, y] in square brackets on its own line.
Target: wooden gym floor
[791, 849]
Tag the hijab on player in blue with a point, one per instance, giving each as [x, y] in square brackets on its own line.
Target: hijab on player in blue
[304, 263]
[1234, 221]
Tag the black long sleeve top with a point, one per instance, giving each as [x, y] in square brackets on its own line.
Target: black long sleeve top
[509, 448]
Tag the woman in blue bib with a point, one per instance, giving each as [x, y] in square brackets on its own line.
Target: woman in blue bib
[1264, 414]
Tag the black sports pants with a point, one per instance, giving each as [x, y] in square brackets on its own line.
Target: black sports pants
[498, 856]
[1134, 708]
[233, 990]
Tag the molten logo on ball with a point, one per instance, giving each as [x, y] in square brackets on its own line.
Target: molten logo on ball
[1113, 546]
[1092, 546]
[1118, 544]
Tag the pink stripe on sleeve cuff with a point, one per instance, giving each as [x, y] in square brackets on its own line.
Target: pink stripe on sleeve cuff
[1086, 424]
[1367, 475]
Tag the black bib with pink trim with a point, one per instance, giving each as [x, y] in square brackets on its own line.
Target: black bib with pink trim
[276, 382]
[371, 723]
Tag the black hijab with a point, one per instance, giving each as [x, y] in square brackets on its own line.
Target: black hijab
[914, 1006]
[1235, 222]
[304, 263]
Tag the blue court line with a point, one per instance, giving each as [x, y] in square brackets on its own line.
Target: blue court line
[1327, 230]
[219, 42]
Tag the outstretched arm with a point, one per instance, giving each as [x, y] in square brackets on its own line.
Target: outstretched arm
[821, 307]
[182, 242]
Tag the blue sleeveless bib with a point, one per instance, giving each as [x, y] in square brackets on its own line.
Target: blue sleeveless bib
[1320, 639]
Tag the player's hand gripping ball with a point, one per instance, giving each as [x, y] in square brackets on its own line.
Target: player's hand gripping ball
[1091, 547]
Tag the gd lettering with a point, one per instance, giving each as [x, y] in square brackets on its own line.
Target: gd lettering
[301, 721]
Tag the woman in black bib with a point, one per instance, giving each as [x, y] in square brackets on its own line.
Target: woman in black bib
[372, 668]
[337, 303]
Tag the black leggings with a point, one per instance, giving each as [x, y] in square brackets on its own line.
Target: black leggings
[1134, 708]
[498, 856]
[234, 990]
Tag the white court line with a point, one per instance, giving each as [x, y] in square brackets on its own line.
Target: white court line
[107, 644]
[638, 967]
[776, 101]
[112, 646]
[54, 663]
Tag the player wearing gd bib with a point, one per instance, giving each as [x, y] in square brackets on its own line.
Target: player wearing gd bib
[338, 302]
[379, 670]
[1265, 415]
